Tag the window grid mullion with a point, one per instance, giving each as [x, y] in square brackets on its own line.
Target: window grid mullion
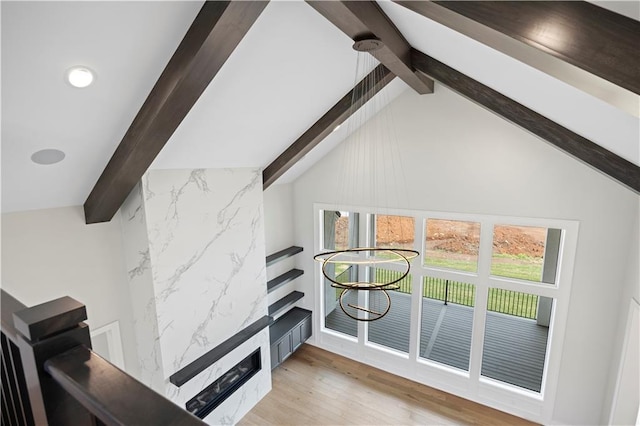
[482, 295]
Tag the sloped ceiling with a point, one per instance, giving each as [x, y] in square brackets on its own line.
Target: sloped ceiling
[586, 115]
[127, 44]
[290, 68]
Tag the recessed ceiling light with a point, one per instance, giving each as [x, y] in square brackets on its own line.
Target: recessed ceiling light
[80, 76]
[47, 156]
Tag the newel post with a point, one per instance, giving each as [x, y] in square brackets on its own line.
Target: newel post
[44, 331]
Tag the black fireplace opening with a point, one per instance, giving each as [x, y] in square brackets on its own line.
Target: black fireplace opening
[213, 395]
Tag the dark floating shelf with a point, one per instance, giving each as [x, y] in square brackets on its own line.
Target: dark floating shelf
[281, 280]
[191, 370]
[283, 254]
[285, 302]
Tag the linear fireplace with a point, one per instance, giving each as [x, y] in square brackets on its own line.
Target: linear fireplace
[213, 395]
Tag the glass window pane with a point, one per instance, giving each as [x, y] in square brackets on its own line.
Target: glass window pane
[447, 320]
[395, 231]
[335, 318]
[515, 344]
[452, 244]
[520, 252]
[340, 230]
[513, 303]
[392, 330]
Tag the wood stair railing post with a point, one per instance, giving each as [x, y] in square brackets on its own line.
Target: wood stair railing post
[44, 331]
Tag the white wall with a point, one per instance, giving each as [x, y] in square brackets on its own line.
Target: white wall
[278, 217]
[52, 253]
[628, 395]
[458, 157]
[278, 225]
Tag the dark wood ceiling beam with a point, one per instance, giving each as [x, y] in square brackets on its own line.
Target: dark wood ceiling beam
[214, 34]
[363, 19]
[375, 81]
[571, 143]
[586, 46]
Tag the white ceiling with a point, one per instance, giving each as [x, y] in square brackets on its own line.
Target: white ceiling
[584, 114]
[127, 44]
[291, 67]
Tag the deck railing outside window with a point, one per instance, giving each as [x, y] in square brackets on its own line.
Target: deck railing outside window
[503, 301]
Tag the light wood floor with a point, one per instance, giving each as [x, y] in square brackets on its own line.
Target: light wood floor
[316, 387]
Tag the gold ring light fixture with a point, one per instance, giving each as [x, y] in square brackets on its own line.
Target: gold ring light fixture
[367, 257]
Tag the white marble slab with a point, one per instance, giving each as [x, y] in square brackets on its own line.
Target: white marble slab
[195, 255]
[138, 266]
[241, 401]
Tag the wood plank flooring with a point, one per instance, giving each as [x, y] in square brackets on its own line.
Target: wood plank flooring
[316, 387]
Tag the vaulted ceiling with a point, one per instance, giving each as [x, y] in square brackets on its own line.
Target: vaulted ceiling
[288, 71]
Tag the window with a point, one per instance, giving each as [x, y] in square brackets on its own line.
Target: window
[524, 252]
[515, 338]
[452, 244]
[335, 318]
[341, 231]
[393, 329]
[447, 321]
[484, 308]
[394, 231]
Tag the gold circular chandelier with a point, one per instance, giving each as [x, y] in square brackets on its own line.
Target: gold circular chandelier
[364, 261]
[367, 256]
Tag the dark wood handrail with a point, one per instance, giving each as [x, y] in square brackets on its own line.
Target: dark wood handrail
[110, 394]
[60, 380]
[50, 318]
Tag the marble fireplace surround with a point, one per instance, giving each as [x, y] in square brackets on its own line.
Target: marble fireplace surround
[207, 400]
[185, 374]
[195, 256]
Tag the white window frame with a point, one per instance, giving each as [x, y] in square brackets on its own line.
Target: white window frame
[531, 405]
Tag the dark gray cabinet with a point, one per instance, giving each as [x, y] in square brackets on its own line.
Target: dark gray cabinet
[301, 332]
[281, 350]
[287, 333]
